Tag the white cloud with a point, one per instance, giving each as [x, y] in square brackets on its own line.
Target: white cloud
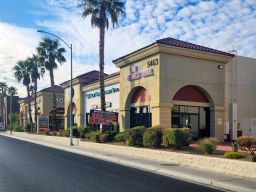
[215, 24]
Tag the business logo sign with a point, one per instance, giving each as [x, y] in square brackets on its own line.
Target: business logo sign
[97, 94]
[137, 73]
[102, 118]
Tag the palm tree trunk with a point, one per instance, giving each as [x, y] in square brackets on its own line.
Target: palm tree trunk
[54, 105]
[35, 105]
[29, 108]
[101, 65]
[2, 110]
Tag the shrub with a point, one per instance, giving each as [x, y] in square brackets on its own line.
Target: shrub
[18, 128]
[208, 145]
[76, 132]
[176, 137]
[119, 137]
[254, 158]
[232, 155]
[47, 132]
[111, 135]
[28, 128]
[235, 146]
[95, 136]
[152, 137]
[62, 132]
[134, 136]
[247, 143]
[104, 137]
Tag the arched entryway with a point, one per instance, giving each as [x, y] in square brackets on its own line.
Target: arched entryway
[73, 118]
[139, 105]
[191, 108]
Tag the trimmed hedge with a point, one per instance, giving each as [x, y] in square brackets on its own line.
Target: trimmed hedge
[119, 137]
[247, 143]
[134, 136]
[152, 137]
[232, 155]
[176, 137]
[208, 145]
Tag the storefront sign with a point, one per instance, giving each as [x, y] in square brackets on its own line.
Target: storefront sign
[97, 94]
[43, 123]
[59, 100]
[136, 73]
[103, 118]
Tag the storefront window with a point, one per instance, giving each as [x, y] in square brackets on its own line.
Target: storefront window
[191, 117]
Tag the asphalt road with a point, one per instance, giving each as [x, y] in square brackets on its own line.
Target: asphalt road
[26, 167]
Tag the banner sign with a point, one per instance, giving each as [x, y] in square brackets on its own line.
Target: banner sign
[103, 118]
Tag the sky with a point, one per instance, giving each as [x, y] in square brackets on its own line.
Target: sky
[219, 24]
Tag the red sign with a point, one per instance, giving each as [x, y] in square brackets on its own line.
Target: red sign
[103, 118]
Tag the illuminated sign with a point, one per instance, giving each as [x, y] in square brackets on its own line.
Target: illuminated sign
[97, 94]
[136, 73]
[102, 118]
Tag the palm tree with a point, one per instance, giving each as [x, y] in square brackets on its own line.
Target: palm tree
[100, 11]
[11, 92]
[22, 73]
[37, 71]
[51, 53]
[3, 89]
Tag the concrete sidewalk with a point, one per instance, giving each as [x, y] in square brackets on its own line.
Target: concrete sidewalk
[220, 181]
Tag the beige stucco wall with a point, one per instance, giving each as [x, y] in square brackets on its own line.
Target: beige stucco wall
[246, 88]
[44, 102]
[127, 88]
[78, 101]
[177, 68]
[177, 71]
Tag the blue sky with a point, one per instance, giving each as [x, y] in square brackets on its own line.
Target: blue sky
[219, 24]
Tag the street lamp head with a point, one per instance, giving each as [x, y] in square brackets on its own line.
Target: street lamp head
[40, 31]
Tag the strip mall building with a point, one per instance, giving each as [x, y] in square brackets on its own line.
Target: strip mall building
[172, 83]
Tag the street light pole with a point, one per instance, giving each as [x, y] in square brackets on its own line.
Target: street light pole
[71, 84]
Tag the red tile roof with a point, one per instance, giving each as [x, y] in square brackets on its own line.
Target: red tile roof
[182, 44]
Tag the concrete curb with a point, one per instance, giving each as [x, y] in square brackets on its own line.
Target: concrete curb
[150, 168]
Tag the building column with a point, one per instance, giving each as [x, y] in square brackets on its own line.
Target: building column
[217, 122]
[161, 115]
[124, 119]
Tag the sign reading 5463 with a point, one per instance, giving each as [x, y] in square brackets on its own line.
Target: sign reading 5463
[152, 63]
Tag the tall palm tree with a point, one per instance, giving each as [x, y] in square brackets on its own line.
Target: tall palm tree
[11, 92]
[3, 89]
[37, 71]
[22, 73]
[100, 11]
[52, 54]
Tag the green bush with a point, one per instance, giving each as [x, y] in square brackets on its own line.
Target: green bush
[104, 137]
[232, 155]
[176, 137]
[62, 132]
[247, 143]
[152, 137]
[208, 145]
[95, 136]
[47, 132]
[134, 136]
[28, 128]
[111, 134]
[18, 128]
[254, 158]
[119, 137]
[76, 132]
